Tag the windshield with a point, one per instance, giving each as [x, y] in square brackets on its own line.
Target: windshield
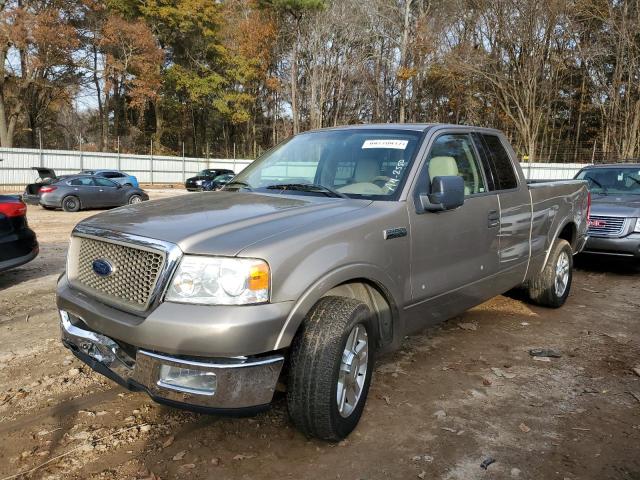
[206, 173]
[616, 180]
[355, 163]
[223, 178]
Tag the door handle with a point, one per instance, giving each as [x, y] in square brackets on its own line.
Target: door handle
[493, 219]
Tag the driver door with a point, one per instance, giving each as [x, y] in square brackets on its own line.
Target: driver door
[454, 253]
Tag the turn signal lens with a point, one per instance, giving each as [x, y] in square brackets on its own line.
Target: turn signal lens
[259, 276]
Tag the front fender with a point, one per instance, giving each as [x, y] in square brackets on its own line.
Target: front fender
[333, 278]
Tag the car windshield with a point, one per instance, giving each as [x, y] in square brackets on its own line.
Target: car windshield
[357, 163]
[207, 173]
[223, 178]
[612, 180]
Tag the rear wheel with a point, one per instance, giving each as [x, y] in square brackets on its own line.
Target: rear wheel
[71, 204]
[134, 199]
[331, 364]
[552, 286]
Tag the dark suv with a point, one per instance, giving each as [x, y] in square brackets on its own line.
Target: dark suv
[614, 223]
[194, 184]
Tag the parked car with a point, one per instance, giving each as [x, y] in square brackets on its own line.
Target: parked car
[18, 243]
[614, 224]
[115, 175]
[31, 193]
[217, 183]
[322, 254]
[194, 184]
[76, 192]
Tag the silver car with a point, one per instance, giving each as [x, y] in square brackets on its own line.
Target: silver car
[76, 192]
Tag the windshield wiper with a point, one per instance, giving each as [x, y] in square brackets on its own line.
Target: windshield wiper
[239, 182]
[604, 189]
[307, 187]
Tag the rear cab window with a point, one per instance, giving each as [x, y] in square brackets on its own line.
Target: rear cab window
[496, 158]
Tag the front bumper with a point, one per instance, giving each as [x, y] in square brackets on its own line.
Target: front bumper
[183, 329]
[628, 246]
[242, 383]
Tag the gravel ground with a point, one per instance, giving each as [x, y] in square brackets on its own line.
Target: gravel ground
[452, 398]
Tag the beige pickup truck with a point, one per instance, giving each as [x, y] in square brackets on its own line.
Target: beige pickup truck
[322, 254]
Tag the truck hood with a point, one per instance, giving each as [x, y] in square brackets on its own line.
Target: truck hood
[220, 223]
[615, 205]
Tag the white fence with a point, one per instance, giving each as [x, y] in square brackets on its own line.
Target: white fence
[16, 165]
[551, 171]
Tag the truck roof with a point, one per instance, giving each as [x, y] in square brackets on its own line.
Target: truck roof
[608, 165]
[415, 127]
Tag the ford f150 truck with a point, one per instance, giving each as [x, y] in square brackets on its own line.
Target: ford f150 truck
[319, 256]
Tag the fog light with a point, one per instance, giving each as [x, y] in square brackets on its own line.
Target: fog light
[189, 380]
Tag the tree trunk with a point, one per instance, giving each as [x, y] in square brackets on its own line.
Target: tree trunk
[403, 60]
[96, 82]
[294, 82]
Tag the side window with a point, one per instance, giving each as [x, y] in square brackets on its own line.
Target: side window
[112, 175]
[80, 182]
[503, 172]
[453, 154]
[103, 182]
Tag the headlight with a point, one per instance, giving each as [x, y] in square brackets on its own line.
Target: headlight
[198, 182]
[637, 229]
[220, 281]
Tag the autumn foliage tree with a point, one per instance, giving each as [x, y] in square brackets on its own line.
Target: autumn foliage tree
[38, 41]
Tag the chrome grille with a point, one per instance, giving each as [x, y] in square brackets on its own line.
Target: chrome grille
[133, 278]
[601, 226]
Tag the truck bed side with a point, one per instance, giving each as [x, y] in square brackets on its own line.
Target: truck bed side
[559, 209]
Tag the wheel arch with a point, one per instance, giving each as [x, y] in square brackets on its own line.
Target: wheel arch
[566, 230]
[364, 283]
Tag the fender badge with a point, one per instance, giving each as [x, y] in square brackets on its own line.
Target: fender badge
[395, 233]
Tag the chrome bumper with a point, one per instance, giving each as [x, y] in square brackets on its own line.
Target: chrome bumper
[242, 383]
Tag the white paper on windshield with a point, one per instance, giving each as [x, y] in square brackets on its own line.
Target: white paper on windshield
[388, 143]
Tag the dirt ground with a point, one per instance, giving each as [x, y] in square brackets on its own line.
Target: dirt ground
[453, 397]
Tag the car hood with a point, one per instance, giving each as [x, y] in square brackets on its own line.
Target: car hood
[615, 205]
[220, 223]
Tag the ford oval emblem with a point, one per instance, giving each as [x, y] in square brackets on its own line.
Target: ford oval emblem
[102, 267]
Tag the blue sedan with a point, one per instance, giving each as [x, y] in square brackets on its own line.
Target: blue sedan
[114, 175]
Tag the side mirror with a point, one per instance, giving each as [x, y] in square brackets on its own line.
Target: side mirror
[118, 186]
[447, 193]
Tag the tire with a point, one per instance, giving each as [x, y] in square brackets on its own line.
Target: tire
[316, 363]
[71, 204]
[135, 199]
[546, 289]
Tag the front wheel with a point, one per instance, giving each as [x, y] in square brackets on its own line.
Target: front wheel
[550, 288]
[331, 364]
[135, 199]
